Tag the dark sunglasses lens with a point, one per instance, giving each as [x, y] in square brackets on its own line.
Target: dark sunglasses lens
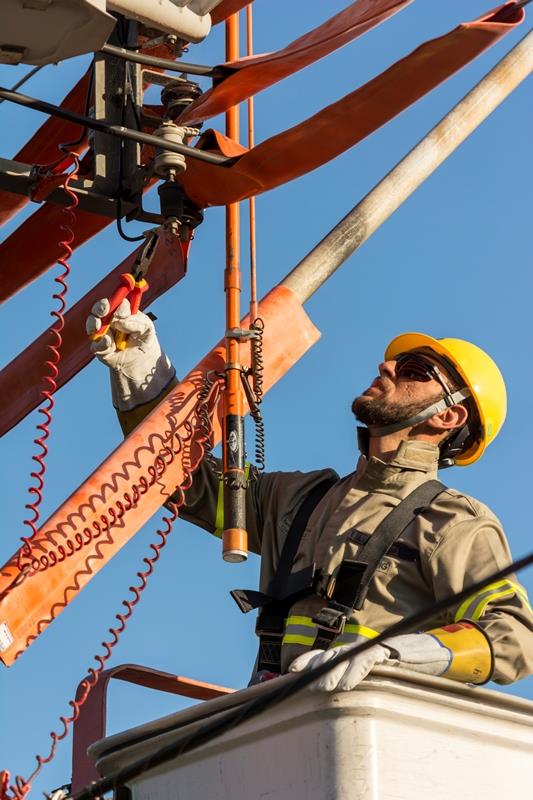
[412, 369]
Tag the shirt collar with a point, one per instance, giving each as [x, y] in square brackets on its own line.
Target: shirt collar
[411, 457]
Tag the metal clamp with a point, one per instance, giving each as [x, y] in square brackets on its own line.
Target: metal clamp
[242, 333]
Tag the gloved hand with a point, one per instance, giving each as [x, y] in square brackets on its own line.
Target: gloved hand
[141, 371]
[345, 676]
[420, 652]
[417, 651]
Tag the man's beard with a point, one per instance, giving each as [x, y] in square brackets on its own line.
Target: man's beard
[380, 411]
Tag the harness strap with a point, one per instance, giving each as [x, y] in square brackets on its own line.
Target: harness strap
[348, 587]
[284, 588]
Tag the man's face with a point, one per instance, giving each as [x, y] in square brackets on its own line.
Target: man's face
[397, 394]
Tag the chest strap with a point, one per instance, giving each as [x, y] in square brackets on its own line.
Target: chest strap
[284, 588]
[348, 587]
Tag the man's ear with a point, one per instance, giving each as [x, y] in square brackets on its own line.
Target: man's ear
[452, 417]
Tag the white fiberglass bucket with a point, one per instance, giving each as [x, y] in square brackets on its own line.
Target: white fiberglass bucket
[399, 736]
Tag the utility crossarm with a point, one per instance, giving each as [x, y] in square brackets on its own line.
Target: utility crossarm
[114, 130]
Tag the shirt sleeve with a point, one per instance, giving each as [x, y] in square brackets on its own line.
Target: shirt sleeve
[469, 550]
[272, 500]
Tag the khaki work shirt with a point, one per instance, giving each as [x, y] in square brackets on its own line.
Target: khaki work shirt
[457, 541]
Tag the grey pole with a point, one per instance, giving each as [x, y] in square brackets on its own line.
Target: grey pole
[378, 205]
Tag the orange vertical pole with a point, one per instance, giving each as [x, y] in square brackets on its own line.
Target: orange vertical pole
[251, 201]
[234, 537]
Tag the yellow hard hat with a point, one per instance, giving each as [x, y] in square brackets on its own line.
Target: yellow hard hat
[480, 374]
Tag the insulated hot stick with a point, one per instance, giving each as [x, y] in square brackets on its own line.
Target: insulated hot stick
[234, 536]
[132, 287]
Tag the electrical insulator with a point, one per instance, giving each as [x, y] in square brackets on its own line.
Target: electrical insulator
[177, 95]
[166, 163]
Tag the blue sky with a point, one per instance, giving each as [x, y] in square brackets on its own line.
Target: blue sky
[454, 260]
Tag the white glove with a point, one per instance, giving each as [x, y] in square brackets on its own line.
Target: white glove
[345, 676]
[419, 652]
[140, 372]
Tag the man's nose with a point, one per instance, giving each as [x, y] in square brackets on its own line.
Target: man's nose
[387, 369]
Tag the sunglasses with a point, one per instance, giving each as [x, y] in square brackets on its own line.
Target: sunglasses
[414, 367]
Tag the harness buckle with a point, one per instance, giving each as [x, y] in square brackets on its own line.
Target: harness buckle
[331, 622]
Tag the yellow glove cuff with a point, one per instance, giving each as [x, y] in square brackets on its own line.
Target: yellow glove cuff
[472, 660]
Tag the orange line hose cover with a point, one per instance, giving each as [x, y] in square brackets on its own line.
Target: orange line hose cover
[29, 607]
[338, 127]
[248, 76]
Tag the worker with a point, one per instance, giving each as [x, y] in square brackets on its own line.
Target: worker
[435, 402]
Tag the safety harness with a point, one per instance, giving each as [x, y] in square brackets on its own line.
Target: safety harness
[344, 590]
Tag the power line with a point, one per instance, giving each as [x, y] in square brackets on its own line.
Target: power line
[23, 80]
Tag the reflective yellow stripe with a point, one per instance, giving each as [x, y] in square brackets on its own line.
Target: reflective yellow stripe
[219, 515]
[368, 633]
[522, 591]
[480, 608]
[294, 638]
[295, 620]
[295, 635]
[491, 592]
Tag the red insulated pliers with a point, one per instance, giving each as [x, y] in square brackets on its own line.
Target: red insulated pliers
[132, 287]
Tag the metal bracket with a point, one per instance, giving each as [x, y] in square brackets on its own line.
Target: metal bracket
[242, 333]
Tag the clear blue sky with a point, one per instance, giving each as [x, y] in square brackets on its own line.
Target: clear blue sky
[454, 260]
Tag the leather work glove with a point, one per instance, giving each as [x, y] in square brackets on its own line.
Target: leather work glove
[139, 372]
[416, 651]
[345, 676]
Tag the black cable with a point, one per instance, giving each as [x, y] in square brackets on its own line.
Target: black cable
[127, 98]
[88, 99]
[114, 130]
[278, 690]
[24, 79]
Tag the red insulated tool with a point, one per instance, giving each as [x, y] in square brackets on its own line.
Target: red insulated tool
[132, 287]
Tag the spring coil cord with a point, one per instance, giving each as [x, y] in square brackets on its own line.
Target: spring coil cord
[50, 374]
[257, 371]
[55, 350]
[198, 433]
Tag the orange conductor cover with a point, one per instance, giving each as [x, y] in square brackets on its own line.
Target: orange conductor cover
[29, 607]
[338, 127]
[248, 76]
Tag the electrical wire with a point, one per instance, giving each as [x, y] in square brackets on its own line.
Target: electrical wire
[127, 99]
[274, 692]
[114, 130]
[88, 102]
[24, 79]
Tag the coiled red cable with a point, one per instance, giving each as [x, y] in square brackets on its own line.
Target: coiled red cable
[51, 372]
[199, 434]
